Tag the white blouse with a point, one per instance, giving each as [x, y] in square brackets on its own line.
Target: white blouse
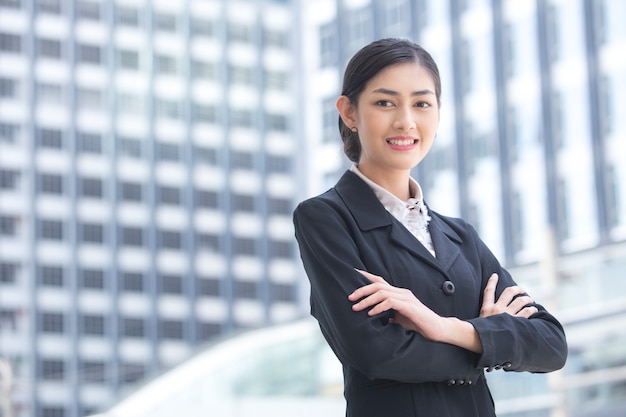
[413, 213]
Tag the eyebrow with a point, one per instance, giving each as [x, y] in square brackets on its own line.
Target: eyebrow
[395, 93]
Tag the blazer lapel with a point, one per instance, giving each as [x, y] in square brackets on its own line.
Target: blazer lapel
[370, 214]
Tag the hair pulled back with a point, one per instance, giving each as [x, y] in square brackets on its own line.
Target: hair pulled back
[366, 64]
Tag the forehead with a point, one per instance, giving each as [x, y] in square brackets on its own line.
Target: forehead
[409, 76]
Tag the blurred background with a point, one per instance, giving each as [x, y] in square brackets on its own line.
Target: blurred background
[152, 151]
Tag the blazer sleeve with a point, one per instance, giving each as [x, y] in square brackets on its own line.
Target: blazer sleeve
[536, 344]
[327, 237]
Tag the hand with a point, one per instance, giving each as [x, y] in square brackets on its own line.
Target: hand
[507, 303]
[410, 313]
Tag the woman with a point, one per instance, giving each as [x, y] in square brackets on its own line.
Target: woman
[413, 303]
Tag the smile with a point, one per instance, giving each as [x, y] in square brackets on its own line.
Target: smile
[402, 141]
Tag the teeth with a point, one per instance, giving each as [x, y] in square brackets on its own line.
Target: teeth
[401, 142]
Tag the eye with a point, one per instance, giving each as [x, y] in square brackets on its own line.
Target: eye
[423, 104]
[384, 103]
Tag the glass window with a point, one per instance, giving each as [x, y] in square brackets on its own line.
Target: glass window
[168, 151]
[276, 38]
[9, 179]
[171, 284]
[50, 138]
[51, 369]
[51, 275]
[131, 191]
[9, 88]
[130, 147]
[49, 6]
[202, 27]
[8, 272]
[279, 206]
[127, 16]
[280, 249]
[89, 142]
[208, 241]
[50, 48]
[51, 184]
[241, 75]
[131, 236]
[93, 325]
[205, 155]
[172, 329]
[9, 132]
[283, 292]
[132, 281]
[203, 69]
[166, 64]
[328, 45]
[49, 94]
[277, 122]
[133, 327]
[245, 289]
[277, 80]
[203, 113]
[127, 59]
[168, 108]
[209, 287]
[243, 202]
[275, 163]
[92, 371]
[50, 230]
[242, 160]
[91, 187]
[131, 372]
[89, 98]
[170, 239]
[91, 233]
[50, 322]
[239, 32]
[170, 195]
[165, 22]
[92, 278]
[89, 10]
[130, 104]
[10, 43]
[244, 246]
[241, 118]
[8, 225]
[89, 54]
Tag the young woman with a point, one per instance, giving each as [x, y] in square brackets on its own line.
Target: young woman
[413, 303]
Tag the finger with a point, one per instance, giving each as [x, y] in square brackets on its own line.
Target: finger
[508, 295]
[370, 276]
[527, 312]
[489, 295]
[519, 303]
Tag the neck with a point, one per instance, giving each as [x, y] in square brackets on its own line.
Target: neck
[394, 181]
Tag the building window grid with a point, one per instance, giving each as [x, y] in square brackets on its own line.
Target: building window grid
[51, 275]
[93, 325]
[92, 278]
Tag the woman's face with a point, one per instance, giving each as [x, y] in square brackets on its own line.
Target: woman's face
[397, 116]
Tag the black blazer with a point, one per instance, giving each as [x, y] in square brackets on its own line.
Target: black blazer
[389, 372]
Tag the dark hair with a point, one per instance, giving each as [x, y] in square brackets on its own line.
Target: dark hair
[366, 64]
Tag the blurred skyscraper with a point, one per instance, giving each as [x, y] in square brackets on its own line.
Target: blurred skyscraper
[530, 150]
[151, 153]
[147, 159]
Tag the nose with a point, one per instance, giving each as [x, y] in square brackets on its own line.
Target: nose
[405, 119]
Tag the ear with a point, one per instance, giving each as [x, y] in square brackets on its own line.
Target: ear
[346, 111]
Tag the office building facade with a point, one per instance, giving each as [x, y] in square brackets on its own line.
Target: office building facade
[529, 151]
[146, 188]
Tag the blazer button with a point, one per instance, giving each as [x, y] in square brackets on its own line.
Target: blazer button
[460, 382]
[448, 287]
[451, 382]
[507, 365]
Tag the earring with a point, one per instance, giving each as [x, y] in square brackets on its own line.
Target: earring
[354, 129]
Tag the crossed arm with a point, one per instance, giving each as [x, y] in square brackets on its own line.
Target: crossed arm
[413, 315]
